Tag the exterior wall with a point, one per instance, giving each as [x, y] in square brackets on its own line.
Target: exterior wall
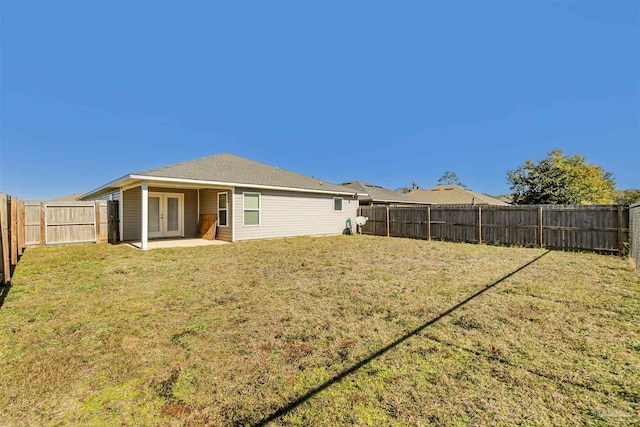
[209, 205]
[285, 214]
[132, 214]
[208, 201]
[132, 211]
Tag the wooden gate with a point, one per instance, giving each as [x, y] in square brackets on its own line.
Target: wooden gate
[113, 213]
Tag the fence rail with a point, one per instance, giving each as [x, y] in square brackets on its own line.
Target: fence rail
[38, 223]
[599, 228]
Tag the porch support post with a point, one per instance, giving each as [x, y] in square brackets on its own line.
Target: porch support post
[145, 216]
[230, 212]
[121, 215]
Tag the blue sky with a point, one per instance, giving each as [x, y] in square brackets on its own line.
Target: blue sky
[385, 92]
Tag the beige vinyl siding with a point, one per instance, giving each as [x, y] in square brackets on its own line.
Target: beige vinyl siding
[285, 214]
[209, 205]
[132, 211]
[208, 201]
[132, 214]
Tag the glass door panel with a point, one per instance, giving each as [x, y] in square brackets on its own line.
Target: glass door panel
[154, 214]
[173, 214]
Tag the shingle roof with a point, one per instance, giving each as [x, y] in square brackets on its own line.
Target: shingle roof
[449, 194]
[69, 198]
[377, 194]
[238, 170]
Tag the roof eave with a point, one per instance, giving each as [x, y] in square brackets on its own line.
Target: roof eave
[106, 188]
[128, 179]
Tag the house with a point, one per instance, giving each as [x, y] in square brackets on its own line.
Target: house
[250, 200]
[450, 194]
[69, 198]
[376, 195]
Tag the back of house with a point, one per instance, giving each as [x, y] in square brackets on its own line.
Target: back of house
[250, 200]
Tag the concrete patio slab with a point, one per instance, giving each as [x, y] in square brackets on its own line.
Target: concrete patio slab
[178, 243]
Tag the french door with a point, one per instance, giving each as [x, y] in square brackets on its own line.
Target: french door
[166, 215]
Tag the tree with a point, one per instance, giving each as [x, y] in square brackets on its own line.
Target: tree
[406, 190]
[561, 179]
[627, 197]
[451, 178]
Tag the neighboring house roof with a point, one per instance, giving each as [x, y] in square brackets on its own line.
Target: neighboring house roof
[228, 170]
[69, 198]
[507, 198]
[450, 194]
[376, 194]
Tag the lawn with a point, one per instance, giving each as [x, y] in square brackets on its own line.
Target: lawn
[345, 330]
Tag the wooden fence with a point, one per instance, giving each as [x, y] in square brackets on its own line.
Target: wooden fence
[65, 222]
[11, 243]
[599, 228]
[38, 223]
[634, 234]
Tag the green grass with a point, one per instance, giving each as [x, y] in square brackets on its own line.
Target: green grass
[229, 335]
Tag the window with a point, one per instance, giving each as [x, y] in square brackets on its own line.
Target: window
[337, 204]
[251, 206]
[222, 209]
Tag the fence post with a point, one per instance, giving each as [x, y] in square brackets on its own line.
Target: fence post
[13, 224]
[428, 222]
[22, 234]
[388, 221]
[4, 236]
[43, 227]
[96, 219]
[620, 234]
[634, 234]
[540, 240]
[479, 224]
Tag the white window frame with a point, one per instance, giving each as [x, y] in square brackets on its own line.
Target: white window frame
[259, 209]
[341, 204]
[225, 209]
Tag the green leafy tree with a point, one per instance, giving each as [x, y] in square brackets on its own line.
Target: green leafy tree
[451, 178]
[561, 179]
[627, 197]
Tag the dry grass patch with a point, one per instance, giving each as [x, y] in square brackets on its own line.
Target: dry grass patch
[229, 335]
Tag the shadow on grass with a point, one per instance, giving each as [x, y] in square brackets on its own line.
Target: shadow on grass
[339, 377]
[4, 289]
